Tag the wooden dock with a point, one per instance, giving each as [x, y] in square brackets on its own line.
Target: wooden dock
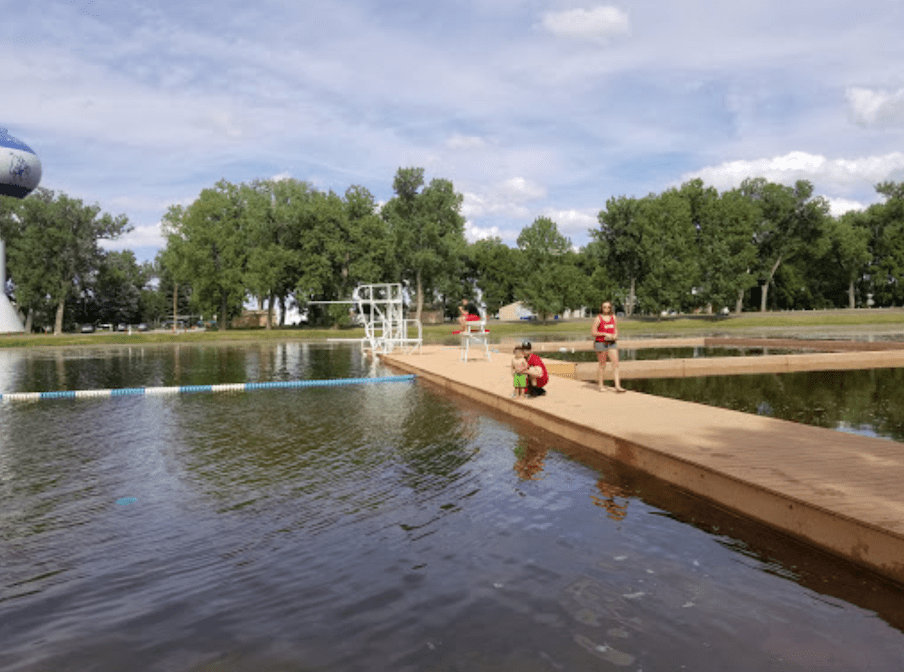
[838, 491]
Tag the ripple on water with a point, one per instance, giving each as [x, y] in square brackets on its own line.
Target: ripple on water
[329, 528]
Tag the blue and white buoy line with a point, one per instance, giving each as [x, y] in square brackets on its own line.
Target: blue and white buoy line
[192, 389]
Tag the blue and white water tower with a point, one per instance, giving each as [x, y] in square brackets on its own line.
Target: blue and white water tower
[20, 173]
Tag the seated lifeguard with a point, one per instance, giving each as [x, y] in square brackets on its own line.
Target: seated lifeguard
[467, 312]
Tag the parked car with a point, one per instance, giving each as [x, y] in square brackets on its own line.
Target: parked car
[143, 327]
[87, 328]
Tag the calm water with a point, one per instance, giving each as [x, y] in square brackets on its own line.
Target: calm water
[637, 354]
[376, 527]
[868, 402]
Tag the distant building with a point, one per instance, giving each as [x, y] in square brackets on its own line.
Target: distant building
[250, 318]
[518, 311]
[515, 311]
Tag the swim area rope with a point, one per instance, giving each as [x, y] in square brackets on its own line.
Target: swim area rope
[192, 389]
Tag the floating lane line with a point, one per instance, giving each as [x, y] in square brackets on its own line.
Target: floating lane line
[194, 389]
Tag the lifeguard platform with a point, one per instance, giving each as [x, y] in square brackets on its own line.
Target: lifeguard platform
[380, 308]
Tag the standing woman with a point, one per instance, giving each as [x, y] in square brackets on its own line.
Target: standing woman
[605, 333]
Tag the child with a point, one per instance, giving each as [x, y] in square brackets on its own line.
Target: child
[519, 373]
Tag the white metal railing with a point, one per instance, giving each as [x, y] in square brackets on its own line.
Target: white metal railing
[381, 309]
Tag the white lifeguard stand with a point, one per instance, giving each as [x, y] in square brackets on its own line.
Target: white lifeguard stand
[380, 308]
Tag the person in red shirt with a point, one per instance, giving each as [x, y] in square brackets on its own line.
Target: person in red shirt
[605, 335]
[537, 376]
[467, 312]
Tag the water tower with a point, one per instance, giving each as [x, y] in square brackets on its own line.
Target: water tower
[20, 172]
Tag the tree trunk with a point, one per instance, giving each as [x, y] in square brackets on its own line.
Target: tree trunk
[739, 306]
[269, 312]
[223, 318]
[29, 320]
[629, 309]
[58, 323]
[852, 303]
[419, 297]
[765, 288]
[282, 311]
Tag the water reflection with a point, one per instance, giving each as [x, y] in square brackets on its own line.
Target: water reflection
[614, 500]
[530, 455]
[644, 354]
[867, 401]
[329, 528]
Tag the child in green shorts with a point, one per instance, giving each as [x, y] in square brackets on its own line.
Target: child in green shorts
[519, 373]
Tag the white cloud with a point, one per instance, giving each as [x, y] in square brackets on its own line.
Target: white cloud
[571, 222]
[839, 206]
[837, 174]
[870, 107]
[466, 142]
[482, 205]
[141, 236]
[521, 189]
[507, 198]
[473, 232]
[598, 23]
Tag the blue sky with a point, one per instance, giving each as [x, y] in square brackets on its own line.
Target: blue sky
[530, 108]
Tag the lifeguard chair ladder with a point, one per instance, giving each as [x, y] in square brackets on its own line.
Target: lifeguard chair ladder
[475, 332]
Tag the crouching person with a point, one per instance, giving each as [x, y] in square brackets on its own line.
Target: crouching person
[537, 376]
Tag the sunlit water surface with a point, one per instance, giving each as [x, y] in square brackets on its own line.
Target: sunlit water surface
[375, 527]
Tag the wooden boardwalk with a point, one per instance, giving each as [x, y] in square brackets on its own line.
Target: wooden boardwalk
[838, 491]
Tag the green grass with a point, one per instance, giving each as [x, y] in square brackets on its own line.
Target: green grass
[443, 332]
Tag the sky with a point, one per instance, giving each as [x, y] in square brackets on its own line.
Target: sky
[530, 108]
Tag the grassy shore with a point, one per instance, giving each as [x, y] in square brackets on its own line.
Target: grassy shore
[852, 320]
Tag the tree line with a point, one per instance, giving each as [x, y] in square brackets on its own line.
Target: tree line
[284, 243]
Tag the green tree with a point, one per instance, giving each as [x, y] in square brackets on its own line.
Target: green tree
[727, 251]
[368, 254]
[601, 285]
[207, 247]
[885, 222]
[53, 248]
[492, 266]
[117, 289]
[321, 223]
[847, 252]
[157, 302]
[670, 264]
[427, 231]
[623, 238]
[791, 219]
[273, 262]
[550, 280]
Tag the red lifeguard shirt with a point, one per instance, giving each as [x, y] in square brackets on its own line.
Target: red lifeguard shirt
[534, 360]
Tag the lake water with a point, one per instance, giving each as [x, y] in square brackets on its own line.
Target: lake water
[375, 527]
[639, 354]
[868, 402]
